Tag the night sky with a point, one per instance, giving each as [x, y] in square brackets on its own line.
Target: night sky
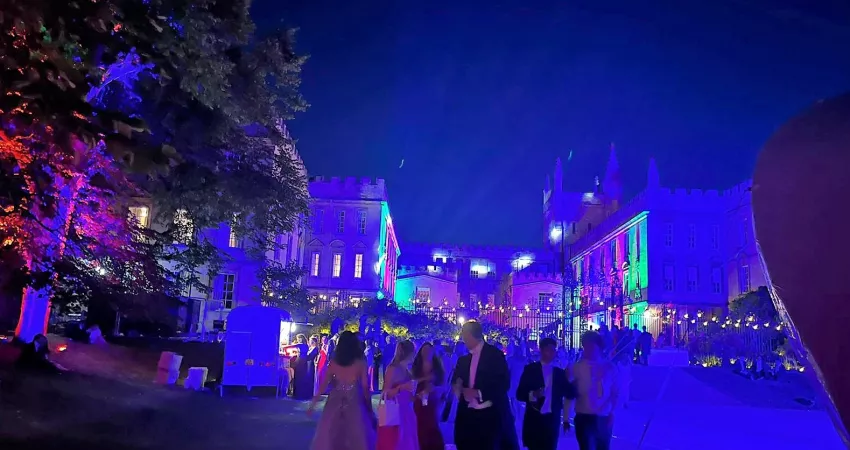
[480, 97]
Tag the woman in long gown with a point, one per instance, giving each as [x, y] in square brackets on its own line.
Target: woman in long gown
[312, 358]
[348, 421]
[321, 364]
[398, 386]
[303, 384]
[430, 377]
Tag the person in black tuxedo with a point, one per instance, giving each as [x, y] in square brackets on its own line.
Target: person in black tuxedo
[545, 389]
[481, 382]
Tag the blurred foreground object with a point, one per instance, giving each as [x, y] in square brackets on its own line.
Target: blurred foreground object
[801, 211]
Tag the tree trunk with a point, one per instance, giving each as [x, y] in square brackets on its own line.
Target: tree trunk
[35, 304]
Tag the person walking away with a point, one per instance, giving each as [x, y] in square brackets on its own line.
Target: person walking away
[388, 353]
[481, 382]
[399, 386]
[516, 364]
[430, 378]
[369, 354]
[636, 339]
[622, 359]
[377, 363]
[303, 382]
[597, 392]
[645, 346]
[545, 389]
[348, 420]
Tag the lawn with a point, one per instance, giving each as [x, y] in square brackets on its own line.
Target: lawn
[109, 402]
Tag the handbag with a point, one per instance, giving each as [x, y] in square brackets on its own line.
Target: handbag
[389, 414]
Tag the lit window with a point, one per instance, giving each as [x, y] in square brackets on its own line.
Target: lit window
[314, 264]
[669, 277]
[668, 235]
[361, 222]
[637, 243]
[692, 236]
[716, 286]
[715, 237]
[693, 279]
[614, 258]
[225, 289]
[141, 214]
[543, 300]
[358, 265]
[183, 227]
[337, 265]
[422, 295]
[340, 222]
[745, 279]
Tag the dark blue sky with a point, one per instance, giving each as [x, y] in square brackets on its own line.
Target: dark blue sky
[479, 97]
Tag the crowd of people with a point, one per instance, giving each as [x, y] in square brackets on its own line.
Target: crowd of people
[481, 388]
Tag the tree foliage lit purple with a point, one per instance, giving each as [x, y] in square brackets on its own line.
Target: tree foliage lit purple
[109, 102]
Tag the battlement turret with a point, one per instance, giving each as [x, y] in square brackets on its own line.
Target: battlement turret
[349, 188]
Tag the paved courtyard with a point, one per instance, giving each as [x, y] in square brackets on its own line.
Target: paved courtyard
[673, 409]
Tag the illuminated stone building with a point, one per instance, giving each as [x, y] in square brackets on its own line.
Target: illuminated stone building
[478, 273]
[663, 259]
[350, 247]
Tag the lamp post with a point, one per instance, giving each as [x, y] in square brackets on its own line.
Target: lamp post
[558, 234]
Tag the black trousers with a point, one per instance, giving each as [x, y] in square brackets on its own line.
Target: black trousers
[592, 432]
[545, 435]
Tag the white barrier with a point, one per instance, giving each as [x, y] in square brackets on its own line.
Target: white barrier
[196, 379]
[168, 368]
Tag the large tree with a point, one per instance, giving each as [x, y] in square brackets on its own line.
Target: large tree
[109, 101]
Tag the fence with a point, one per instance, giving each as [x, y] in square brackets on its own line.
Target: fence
[701, 331]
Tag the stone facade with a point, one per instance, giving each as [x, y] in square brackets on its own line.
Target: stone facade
[350, 248]
[657, 260]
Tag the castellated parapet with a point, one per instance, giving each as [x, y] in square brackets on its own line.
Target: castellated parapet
[529, 276]
[450, 251]
[349, 188]
[446, 271]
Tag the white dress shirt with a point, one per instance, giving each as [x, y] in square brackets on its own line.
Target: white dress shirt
[473, 365]
[547, 388]
[478, 403]
[597, 384]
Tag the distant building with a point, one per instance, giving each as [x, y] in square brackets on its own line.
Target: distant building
[662, 260]
[476, 272]
[350, 247]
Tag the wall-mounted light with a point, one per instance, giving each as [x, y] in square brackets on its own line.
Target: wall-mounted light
[555, 233]
[522, 262]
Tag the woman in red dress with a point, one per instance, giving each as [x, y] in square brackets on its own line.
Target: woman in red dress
[429, 374]
[321, 364]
